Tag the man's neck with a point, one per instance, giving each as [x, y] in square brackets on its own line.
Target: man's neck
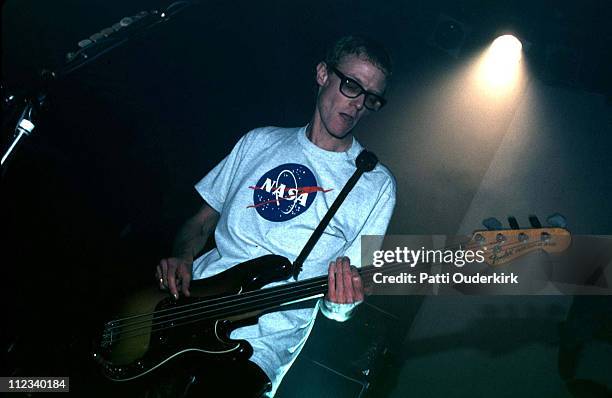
[318, 135]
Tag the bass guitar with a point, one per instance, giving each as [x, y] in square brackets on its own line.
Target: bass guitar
[152, 329]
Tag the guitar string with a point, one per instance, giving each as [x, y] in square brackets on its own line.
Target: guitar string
[289, 290]
[244, 294]
[187, 322]
[196, 303]
[459, 245]
[229, 299]
[304, 294]
[311, 290]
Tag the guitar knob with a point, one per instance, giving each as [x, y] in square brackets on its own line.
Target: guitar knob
[533, 220]
[545, 237]
[479, 238]
[492, 224]
[513, 223]
[500, 238]
[557, 220]
[523, 237]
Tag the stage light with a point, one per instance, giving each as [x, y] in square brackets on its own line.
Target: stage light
[507, 49]
[500, 65]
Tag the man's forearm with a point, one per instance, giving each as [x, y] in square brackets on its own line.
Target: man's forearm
[194, 233]
[189, 240]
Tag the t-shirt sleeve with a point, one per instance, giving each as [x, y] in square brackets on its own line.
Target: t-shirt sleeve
[215, 186]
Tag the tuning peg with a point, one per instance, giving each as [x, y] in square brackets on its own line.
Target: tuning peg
[492, 224]
[533, 220]
[557, 220]
[513, 223]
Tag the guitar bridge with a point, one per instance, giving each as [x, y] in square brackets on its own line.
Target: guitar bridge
[108, 335]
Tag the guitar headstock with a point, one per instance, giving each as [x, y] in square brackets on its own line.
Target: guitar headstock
[503, 246]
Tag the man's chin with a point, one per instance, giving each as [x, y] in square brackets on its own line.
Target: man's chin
[340, 135]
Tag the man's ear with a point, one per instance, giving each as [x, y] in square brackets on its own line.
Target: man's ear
[322, 76]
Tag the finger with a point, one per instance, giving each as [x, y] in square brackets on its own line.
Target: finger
[164, 273]
[185, 282]
[178, 282]
[158, 275]
[348, 281]
[340, 297]
[171, 279]
[331, 282]
[357, 285]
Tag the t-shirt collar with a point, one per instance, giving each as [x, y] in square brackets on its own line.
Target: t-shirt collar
[350, 154]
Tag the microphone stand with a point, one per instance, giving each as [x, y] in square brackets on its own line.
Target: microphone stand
[89, 50]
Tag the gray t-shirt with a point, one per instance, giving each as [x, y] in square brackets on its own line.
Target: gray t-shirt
[272, 190]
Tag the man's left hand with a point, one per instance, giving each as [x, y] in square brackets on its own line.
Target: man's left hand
[344, 282]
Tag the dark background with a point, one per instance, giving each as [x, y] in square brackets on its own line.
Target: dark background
[93, 199]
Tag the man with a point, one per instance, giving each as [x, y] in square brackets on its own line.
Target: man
[269, 194]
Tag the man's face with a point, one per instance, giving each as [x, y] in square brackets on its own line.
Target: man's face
[338, 113]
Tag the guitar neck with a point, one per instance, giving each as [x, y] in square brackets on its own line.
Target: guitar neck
[309, 289]
[498, 247]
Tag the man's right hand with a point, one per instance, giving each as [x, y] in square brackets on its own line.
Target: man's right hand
[174, 274]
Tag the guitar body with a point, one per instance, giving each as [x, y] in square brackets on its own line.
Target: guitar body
[152, 329]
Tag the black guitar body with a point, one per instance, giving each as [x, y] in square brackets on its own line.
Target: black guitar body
[152, 330]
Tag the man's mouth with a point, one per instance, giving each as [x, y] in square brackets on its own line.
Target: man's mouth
[348, 118]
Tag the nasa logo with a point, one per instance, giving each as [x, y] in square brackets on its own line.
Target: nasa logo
[285, 192]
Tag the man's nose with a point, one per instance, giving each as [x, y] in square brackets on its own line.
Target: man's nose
[358, 101]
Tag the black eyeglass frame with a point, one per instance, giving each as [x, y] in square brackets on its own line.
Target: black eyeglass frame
[344, 79]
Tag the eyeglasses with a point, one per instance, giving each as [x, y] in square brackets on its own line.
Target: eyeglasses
[351, 89]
